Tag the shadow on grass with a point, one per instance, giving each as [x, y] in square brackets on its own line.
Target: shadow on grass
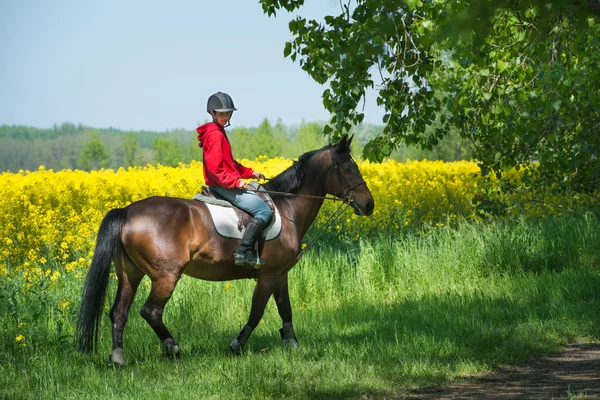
[436, 339]
[439, 337]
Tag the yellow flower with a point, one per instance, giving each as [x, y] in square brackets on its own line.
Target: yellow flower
[64, 209]
[63, 305]
[21, 340]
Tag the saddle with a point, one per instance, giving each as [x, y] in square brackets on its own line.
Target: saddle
[244, 218]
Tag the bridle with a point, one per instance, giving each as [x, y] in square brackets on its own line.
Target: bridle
[346, 197]
[347, 189]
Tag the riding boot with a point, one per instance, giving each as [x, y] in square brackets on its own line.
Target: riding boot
[244, 254]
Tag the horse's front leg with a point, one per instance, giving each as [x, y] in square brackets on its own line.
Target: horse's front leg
[263, 290]
[282, 299]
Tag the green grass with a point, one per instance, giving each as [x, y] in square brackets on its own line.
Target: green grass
[373, 319]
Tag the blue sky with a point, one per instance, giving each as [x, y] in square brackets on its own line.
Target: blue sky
[151, 65]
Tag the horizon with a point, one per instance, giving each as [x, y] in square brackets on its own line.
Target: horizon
[146, 66]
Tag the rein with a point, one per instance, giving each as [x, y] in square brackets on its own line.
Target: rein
[346, 188]
[339, 211]
[285, 194]
[346, 200]
[312, 241]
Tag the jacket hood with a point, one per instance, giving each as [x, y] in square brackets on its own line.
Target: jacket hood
[205, 129]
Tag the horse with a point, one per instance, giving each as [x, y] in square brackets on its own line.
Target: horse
[166, 237]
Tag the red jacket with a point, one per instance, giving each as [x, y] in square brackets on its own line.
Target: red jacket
[220, 169]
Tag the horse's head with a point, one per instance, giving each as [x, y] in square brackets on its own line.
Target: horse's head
[345, 180]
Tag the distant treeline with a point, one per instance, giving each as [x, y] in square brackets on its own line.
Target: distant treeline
[69, 146]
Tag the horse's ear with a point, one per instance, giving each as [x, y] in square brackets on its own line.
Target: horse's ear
[345, 142]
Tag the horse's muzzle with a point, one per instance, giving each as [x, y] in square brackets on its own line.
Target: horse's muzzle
[365, 210]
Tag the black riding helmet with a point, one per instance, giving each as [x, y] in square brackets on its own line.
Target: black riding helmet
[220, 102]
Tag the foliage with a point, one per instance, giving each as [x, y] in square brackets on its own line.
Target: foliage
[26, 148]
[309, 137]
[57, 149]
[94, 154]
[166, 152]
[263, 141]
[511, 77]
[130, 144]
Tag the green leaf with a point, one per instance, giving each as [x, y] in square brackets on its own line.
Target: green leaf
[287, 49]
[412, 4]
[556, 105]
[502, 65]
[530, 53]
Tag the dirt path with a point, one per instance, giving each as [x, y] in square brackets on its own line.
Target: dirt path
[571, 374]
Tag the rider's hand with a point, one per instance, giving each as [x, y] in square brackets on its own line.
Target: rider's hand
[257, 175]
[242, 185]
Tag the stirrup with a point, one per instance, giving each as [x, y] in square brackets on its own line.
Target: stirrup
[249, 260]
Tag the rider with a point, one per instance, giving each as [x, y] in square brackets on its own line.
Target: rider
[222, 174]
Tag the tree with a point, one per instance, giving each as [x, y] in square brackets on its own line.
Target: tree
[252, 143]
[511, 76]
[309, 137]
[240, 139]
[266, 141]
[166, 152]
[94, 154]
[130, 143]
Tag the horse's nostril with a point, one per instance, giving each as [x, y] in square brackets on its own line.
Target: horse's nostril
[370, 207]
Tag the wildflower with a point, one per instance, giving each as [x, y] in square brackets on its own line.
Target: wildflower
[64, 305]
[21, 340]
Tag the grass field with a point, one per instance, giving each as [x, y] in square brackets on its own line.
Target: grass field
[374, 318]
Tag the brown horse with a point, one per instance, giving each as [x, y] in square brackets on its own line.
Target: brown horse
[165, 237]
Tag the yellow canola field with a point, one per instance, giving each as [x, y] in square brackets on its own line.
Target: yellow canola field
[49, 220]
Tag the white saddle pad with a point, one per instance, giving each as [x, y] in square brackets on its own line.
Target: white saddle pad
[226, 223]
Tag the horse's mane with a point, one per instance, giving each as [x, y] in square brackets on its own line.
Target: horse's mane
[290, 179]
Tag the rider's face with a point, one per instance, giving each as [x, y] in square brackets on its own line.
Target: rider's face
[222, 117]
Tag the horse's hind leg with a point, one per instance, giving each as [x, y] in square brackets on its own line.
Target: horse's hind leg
[152, 311]
[129, 277]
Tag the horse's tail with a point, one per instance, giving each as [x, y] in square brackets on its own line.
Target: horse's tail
[96, 282]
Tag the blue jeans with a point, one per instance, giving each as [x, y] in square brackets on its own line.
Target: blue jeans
[247, 201]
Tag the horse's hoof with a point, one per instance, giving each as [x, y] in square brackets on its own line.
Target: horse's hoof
[117, 358]
[235, 347]
[291, 343]
[173, 356]
[287, 335]
[171, 349]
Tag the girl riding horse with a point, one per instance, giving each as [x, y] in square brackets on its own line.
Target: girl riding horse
[166, 237]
